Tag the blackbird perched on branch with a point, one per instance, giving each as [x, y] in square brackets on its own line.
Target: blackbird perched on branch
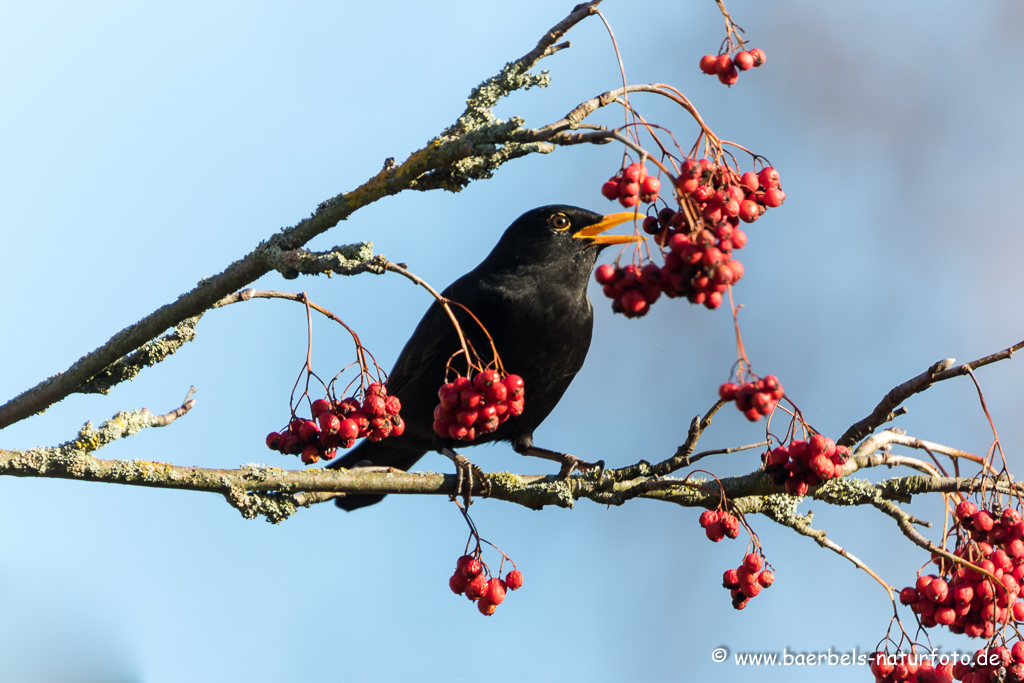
[530, 294]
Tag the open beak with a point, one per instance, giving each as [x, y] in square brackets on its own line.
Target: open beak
[593, 232]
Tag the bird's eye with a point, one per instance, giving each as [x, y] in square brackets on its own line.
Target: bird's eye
[559, 221]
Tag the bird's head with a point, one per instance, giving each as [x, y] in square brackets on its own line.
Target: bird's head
[559, 234]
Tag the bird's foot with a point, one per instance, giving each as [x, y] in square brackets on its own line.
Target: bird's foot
[570, 463]
[464, 471]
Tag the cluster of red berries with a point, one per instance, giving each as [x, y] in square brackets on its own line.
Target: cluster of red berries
[754, 399]
[697, 241]
[969, 601]
[912, 668]
[631, 289]
[471, 580]
[721, 193]
[805, 463]
[984, 667]
[340, 424]
[717, 525]
[728, 68]
[632, 185]
[471, 408]
[747, 580]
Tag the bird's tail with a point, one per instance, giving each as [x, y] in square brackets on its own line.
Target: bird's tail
[379, 454]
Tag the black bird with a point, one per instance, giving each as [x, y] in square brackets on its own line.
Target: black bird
[530, 293]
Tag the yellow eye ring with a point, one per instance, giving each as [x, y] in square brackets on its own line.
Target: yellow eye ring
[559, 221]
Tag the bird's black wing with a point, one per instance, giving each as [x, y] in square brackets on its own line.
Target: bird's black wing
[417, 375]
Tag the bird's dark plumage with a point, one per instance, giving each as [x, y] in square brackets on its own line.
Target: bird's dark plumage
[531, 295]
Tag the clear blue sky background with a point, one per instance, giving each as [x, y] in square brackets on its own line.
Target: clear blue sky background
[143, 147]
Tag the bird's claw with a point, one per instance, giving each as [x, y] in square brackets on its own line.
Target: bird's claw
[464, 472]
[570, 463]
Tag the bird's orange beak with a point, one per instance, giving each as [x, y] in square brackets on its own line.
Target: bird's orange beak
[593, 232]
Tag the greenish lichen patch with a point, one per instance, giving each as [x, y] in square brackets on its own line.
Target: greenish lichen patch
[506, 483]
[847, 491]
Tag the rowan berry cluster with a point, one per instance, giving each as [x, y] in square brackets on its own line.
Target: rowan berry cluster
[719, 524]
[747, 580]
[805, 463]
[697, 241]
[963, 597]
[472, 407]
[632, 185]
[728, 68]
[720, 192]
[631, 289]
[911, 668]
[337, 424]
[754, 399]
[470, 579]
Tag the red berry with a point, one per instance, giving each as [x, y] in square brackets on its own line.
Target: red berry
[752, 562]
[515, 386]
[329, 422]
[458, 583]
[374, 405]
[773, 197]
[714, 532]
[320, 405]
[392, 405]
[707, 518]
[731, 579]
[738, 239]
[514, 580]
[965, 508]
[310, 454]
[605, 274]
[348, 429]
[635, 173]
[397, 426]
[768, 177]
[273, 441]
[469, 566]
[982, 520]
[758, 55]
[712, 257]
[730, 525]
[751, 589]
[743, 60]
[482, 380]
[727, 391]
[724, 64]
[937, 590]
[470, 398]
[729, 76]
[486, 608]
[749, 211]
[495, 591]
[610, 189]
[766, 578]
[629, 201]
[649, 189]
[709, 64]
[515, 408]
[477, 587]
[633, 301]
[466, 416]
[307, 431]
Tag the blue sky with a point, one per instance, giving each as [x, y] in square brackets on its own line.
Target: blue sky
[146, 146]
